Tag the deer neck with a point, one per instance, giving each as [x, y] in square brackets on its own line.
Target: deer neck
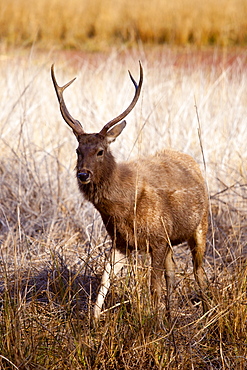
[117, 196]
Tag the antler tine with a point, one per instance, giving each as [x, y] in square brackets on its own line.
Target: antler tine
[130, 107]
[73, 123]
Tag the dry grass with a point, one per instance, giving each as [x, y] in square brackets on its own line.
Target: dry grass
[53, 243]
[96, 24]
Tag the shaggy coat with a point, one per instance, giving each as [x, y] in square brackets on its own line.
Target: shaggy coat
[149, 204]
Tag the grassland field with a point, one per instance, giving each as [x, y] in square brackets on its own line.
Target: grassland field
[98, 24]
[53, 243]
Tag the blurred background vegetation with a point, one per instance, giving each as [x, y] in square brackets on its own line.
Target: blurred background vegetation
[102, 23]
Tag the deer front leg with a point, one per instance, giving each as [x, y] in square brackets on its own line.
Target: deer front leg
[114, 264]
[162, 262]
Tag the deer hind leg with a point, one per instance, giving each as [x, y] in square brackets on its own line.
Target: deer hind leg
[114, 264]
[197, 244]
[169, 275]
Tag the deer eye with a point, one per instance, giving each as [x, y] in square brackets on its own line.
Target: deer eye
[100, 153]
[79, 155]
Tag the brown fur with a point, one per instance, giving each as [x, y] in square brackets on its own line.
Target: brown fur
[149, 204]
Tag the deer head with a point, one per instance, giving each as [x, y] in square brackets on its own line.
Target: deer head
[93, 148]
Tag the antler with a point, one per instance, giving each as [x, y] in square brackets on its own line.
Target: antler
[130, 107]
[73, 123]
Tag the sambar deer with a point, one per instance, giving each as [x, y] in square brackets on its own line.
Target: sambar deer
[149, 204]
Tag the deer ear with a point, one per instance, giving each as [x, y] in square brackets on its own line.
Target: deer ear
[115, 131]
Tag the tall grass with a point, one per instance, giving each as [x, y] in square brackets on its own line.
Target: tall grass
[53, 243]
[96, 24]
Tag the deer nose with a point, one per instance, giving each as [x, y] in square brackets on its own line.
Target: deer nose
[84, 177]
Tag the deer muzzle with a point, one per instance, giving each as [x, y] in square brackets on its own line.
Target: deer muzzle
[84, 177]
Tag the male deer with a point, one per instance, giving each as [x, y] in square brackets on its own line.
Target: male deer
[148, 205]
